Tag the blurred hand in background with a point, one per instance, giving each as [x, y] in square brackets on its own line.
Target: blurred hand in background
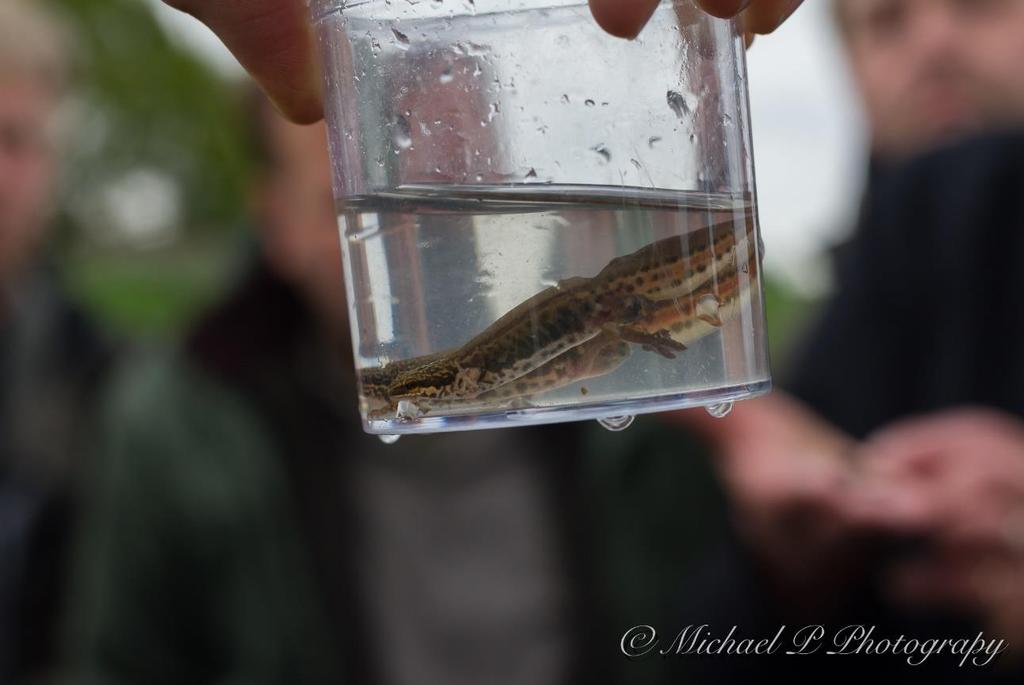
[956, 477]
[788, 478]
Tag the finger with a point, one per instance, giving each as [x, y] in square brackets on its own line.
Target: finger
[888, 508]
[933, 582]
[623, 18]
[723, 8]
[990, 534]
[766, 16]
[273, 40]
[912, 445]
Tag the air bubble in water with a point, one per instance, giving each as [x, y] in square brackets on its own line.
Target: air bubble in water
[652, 141]
[389, 439]
[720, 411]
[406, 411]
[616, 424]
[589, 103]
[446, 76]
[708, 309]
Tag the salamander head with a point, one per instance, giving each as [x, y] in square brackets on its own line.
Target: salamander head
[438, 380]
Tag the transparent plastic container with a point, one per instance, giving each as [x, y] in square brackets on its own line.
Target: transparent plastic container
[541, 222]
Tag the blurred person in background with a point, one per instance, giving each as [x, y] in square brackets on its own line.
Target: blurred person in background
[934, 71]
[51, 359]
[244, 528]
[887, 487]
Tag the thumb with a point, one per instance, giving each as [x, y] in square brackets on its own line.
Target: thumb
[623, 18]
[273, 41]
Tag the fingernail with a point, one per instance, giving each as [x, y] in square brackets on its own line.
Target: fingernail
[779, 19]
[793, 5]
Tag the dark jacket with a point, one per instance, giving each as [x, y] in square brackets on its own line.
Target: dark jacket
[925, 315]
[52, 366]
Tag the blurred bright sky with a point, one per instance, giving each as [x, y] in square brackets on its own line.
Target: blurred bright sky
[808, 136]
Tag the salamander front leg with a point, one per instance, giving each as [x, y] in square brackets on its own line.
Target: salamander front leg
[659, 343]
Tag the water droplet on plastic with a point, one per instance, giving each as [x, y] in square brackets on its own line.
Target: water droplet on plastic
[380, 160]
[532, 173]
[720, 411]
[389, 439]
[589, 103]
[493, 111]
[446, 76]
[375, 46]
[652, 141]
[603, 151]
[636, 164]
[565, 99]
[616, 424]
[403, 40]
[476, 69]
[400, 134]
[677, 103]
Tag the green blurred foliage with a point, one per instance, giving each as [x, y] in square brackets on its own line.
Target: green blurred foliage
[789, 313]
[159, 107]
[143, 102]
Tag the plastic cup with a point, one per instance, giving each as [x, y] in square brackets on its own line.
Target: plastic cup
[541, 222]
